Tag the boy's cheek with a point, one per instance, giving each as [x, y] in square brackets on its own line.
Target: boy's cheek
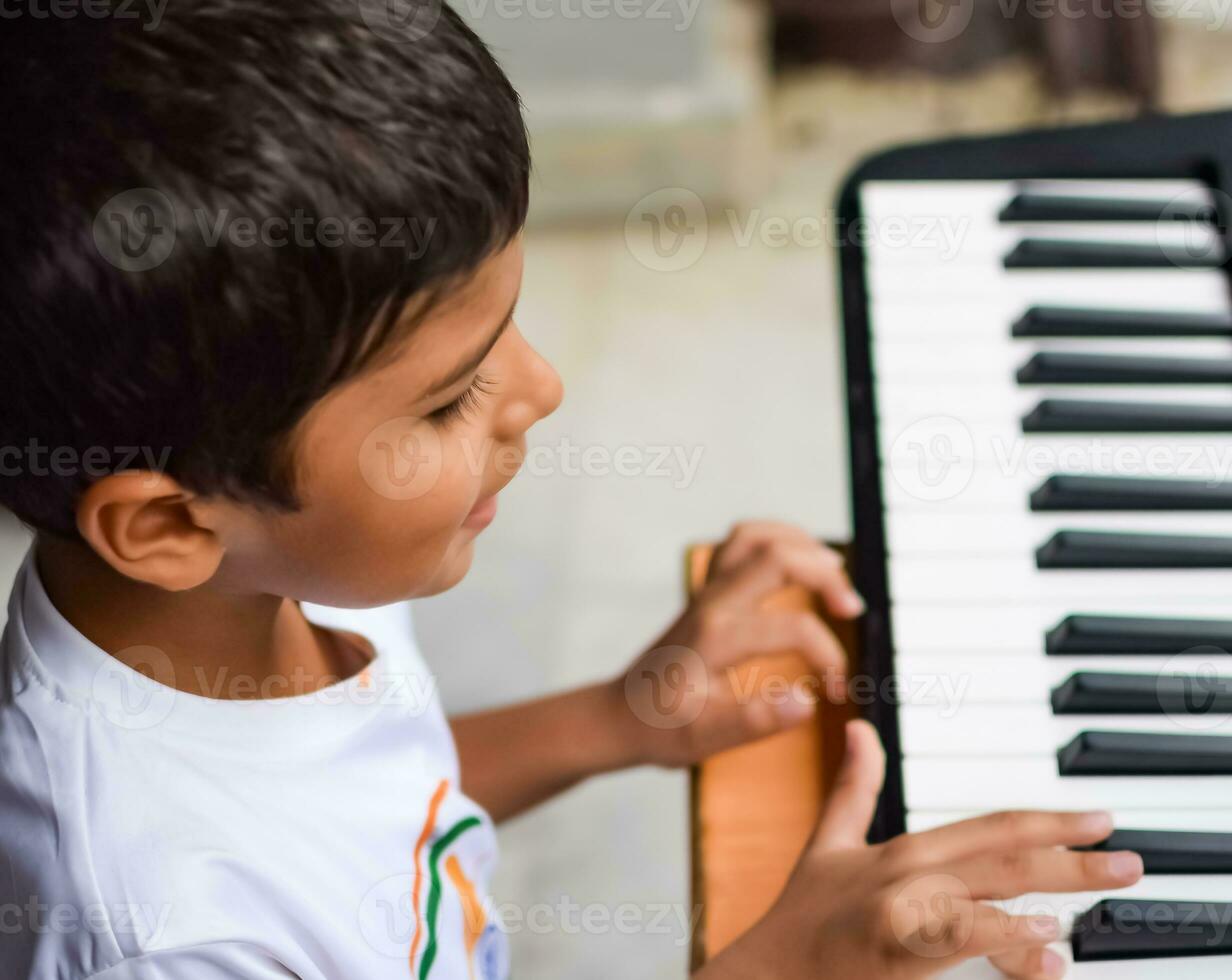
[400, 459]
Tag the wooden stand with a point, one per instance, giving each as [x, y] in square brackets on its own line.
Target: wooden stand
[754, 808]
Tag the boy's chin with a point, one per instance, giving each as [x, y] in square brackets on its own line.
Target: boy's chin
[452, 570]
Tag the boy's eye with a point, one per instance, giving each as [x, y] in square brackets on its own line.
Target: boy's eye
[465, 402]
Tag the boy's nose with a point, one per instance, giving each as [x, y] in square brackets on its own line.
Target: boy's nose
[538, 395]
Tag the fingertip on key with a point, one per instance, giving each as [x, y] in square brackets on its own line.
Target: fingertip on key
[1097, 823]
[853, 604]
[1125, 866]
[1052, 963]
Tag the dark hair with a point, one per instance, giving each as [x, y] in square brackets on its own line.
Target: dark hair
[398, 148]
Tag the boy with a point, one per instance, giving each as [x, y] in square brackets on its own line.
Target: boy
[277, 253]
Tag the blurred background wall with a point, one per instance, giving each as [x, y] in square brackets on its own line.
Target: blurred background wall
[695, 329]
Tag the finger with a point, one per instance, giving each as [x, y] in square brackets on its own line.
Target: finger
[1008, 831]
[776, 565]
[748, 536]
[762, 633]
[853, 799]
[1037, 963]
[1048, 870]
[997, 933]
[941, 929]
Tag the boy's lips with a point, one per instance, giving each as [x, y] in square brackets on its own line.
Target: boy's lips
[482, 514]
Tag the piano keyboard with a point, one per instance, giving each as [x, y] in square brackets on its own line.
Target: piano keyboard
[1053, 413]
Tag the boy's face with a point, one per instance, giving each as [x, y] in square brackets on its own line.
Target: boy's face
[399, 468]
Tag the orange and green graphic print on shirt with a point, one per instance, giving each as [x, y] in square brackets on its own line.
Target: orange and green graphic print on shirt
[474, 919]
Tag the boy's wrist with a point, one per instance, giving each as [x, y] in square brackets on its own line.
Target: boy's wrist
[596, 731]
[630, 741]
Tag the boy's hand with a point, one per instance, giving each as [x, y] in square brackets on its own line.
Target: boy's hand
[681, 692]
[915, 906]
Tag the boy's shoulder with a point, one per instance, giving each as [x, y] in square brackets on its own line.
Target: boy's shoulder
[220, 839]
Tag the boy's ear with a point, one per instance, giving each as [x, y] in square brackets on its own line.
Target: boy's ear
[142, 523]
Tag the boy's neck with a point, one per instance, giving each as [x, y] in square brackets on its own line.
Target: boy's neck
[219, 645]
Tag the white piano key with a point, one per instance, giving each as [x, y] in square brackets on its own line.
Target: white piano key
[908, 307]
[1193, 968]
[984, 199]
[996, 678]
[1011, 629]
[1021, 533]
[1028, 731]
[1211, 821]
[1006, 403]
[951, 245]
[1146, 288]
[922, 361]
[1151, 189]
[909, 447]
[1008, 580]
[990, 783]
[1011, 507]
[986, 492]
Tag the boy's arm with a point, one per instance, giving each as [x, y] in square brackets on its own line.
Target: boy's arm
[515, 757]
[676, 704]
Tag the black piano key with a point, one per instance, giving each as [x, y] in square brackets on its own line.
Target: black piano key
[1135, 929]
[1064, 321]
[1080, 492]
[1034, 206]
[1051, 367]
[1097, 693]
[1068, 415]
[1081, 634]
[1173, 852]
[1096, 753]
[1059, 253]
[1117, 549]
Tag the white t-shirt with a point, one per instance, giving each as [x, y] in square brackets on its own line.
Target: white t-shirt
[148, 834]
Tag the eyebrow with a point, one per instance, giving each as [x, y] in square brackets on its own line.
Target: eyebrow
[471, 363]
